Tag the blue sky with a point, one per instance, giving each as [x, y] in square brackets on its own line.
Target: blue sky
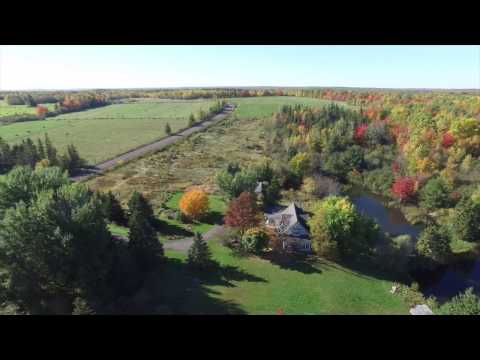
[67, 67]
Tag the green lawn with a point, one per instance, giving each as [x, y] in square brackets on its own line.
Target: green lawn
[102, 133]
[259, 107]
[257, 286]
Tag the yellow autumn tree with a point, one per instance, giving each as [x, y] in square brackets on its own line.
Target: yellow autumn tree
[194, 204]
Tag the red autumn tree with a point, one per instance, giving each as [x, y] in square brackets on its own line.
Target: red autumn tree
[404, 188]
[243, 212]
[448, 140]
[360, 133]
[41, 111]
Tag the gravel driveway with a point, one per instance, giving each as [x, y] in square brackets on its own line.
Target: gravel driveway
[153, 147]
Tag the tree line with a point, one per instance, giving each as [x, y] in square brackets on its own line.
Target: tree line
[41, 154]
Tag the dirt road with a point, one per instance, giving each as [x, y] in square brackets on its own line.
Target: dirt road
[153, 147]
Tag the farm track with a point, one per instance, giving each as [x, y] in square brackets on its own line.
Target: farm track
[152, 147]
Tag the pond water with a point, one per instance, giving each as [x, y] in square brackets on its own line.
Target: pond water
[445, 282]
[391, 220]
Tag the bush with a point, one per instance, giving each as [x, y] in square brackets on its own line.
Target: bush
[254, 240]
[464, 304]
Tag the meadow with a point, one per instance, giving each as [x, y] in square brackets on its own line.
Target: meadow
[259, 107]
[102, 133]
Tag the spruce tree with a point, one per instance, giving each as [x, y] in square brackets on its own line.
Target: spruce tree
[51, 152]
[143, 243]
[114, 210]
[199, 255]
[138, 203]
[168, 129]
[41, 150]
[191, 120]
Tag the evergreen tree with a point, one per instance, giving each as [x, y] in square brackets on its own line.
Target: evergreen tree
[199, 255]
[143, 242]
[50, 151]
[138, 203]
[434, 244]
[467, 223]
[41, 150]
[168, 129]
[191, 120]
[114, 210]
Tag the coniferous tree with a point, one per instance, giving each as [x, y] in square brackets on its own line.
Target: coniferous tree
[50, 151]
[199, 255]
[138, 203]
[114, 210]
[143, 241]
[41, 150]
[168, 129]
[191, 120]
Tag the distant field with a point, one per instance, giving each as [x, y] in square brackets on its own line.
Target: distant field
[100, 134]
[266, 106]
[10, 110]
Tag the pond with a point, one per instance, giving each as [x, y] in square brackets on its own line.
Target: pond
[445, 282]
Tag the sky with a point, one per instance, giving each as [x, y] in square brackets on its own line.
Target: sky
[78, 67]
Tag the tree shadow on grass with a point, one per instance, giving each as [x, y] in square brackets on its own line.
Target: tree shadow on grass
[213, 218]
[296, 262]
[169, 229]
[177, 289]
[363, 268]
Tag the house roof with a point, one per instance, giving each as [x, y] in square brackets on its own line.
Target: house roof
[291, 221]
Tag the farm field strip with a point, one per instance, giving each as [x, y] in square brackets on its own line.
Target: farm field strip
[124, 127]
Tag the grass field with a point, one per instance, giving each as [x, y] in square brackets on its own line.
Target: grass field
[258, 107]
[10, 110]
[100, 134]
[258, 286]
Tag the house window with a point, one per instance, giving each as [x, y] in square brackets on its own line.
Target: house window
[306, 245]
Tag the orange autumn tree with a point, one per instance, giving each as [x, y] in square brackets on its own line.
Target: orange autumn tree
[41, 111]
[194, 204]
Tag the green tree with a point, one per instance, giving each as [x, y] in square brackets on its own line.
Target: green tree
[54, 245]
[50, 151]
[199, 255]
[337, 229]
[191, 120]
[138, 203]
[466, 225]
[436, 194]
[114, 210]
[168, 129]
[434, 244]
[143, 242]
